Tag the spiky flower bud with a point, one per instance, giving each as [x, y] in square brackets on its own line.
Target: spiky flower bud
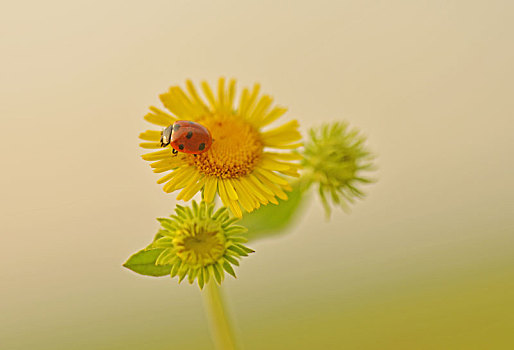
[334, 159]
[200, 244]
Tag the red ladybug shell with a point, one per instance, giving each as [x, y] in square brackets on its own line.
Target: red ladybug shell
[190, 137]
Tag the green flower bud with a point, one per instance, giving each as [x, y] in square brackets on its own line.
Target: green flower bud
[334, 159]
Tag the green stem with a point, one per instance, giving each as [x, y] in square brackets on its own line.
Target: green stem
[218, 319]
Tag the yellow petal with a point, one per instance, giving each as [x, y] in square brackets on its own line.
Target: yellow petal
[244, 198]
[248, 107]
[271, 164]
[192, 188]
[292, 124]
[284, 156]
[189, 182]
[159, 117]
[164, 168]
[275, 113]
[290, 172]
[223, 193]
[254, 190]
[259, 184]
[167, 177]
[221, 93]
[151, 135]
[285, 146]
[261, 108]
[231, 94]
[276, 189]
[174, 161]
[210, 189]
[176, 101]
[175, 183]
[230, 189]
[271, 176]
[200, 104]
[208, 93]
[243, 100]
[150, 145]
[192, 171]
[283, 139]
[236, 209]
[163, 154]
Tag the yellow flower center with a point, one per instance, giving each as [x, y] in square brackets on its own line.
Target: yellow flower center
[236, 148]
[201, 244]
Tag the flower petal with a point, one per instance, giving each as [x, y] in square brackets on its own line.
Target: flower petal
[163, 154]
[159, 117]
[211, 184]
[208, 93]
[151, 135]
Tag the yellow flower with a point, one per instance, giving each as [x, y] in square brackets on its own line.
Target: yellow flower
[239, 165]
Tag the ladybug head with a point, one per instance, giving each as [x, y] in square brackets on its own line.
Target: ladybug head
[166, 136]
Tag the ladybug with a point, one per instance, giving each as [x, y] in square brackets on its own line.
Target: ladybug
[187, 137]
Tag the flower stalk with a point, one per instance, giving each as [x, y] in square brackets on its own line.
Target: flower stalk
[219, 322]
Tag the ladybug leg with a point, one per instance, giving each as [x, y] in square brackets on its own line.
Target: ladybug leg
[174, 151]
[195, 155]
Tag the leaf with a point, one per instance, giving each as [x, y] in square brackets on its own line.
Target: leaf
[271, 219]
[143, 262]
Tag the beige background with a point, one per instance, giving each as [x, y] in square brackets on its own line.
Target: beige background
[425, 262]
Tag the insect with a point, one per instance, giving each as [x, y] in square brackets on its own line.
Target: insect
[187, 137]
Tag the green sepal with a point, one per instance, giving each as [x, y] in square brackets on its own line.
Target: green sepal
[246, 249]
[231, 260]
[192, 275]
[155, 238]
[143, 263]
[175, 268]
[227, 267]
[167, 224]
[271, 219]
[200, 277]
[217, 273]
[182, 272]
[238, 250]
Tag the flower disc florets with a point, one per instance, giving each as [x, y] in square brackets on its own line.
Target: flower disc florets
[200, 244]
[334, 158]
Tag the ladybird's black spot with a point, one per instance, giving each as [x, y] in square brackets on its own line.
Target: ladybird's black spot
[181, 147]
[189, 134]
[202, 146]
[176, 127]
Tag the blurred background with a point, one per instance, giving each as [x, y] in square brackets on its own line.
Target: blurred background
[425, 262]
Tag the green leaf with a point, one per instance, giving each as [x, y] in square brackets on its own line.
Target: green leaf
[143, 262]
[271, 219]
